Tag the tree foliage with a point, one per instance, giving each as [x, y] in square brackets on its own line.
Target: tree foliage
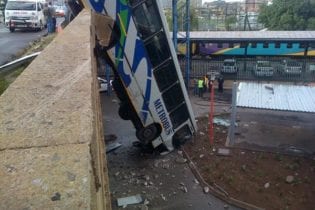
[288, 15]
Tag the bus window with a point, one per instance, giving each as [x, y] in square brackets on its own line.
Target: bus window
[157, 48]
[173, 97]
[165, 75]
[179, 116]
[146, 20]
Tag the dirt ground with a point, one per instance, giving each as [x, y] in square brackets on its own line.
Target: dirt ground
[258, 178]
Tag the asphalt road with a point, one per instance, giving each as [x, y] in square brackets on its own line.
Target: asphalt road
[12, 43]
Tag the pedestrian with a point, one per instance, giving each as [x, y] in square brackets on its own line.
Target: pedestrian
[220, 84]
[51, 19]
[46, 15]
[205, 84]
[200, 87]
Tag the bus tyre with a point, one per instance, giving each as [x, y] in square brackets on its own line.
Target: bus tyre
[147, 134]
[124, 112]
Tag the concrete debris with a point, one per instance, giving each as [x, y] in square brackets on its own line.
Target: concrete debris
[133, 174]
[196, 181]
[223, 122]
[289, 179]
[117, 173]
[114, 101]
[202, 133]
[206, 189]
[163, 197]
[112, 146]
[145, 183]
[135, 199]
[201, 156]
[180, 152]
[223, 152]
[267, 185]
[180, 160]
[182, 184]
[146, 177]
[146, 202]
[184, 189]
[242, 153]
[164, 153]
[151, 183]
[226, 207]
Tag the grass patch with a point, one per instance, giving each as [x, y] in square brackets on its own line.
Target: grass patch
[6, 78]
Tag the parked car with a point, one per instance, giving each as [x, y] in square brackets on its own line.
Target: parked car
[229, 66]
[263, 69]
[61, 10]
[290, 67]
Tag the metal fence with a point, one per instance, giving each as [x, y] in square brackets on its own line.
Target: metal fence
[280, 68]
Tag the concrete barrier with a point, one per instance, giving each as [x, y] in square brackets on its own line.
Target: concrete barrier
[52, 152]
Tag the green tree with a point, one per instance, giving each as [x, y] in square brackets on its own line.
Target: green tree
[288, 15]
[230, 20]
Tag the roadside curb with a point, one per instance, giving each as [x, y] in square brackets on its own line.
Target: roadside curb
[219, 193]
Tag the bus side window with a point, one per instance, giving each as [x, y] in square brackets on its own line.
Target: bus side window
[157, 49]
[146, 19]
[179, 116]
[173, 97]
[165, 75]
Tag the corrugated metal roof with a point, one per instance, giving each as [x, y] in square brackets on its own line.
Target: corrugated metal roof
[276, 97]
[250, 35]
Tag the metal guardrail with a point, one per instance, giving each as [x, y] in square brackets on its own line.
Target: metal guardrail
[18, 62]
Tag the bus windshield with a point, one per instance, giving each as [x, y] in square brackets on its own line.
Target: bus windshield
[145, 62]
[21, 5]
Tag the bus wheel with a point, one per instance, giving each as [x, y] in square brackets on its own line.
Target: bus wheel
[124, 112]
[148, 134]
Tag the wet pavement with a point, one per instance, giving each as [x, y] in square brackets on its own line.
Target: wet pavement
[164, 182]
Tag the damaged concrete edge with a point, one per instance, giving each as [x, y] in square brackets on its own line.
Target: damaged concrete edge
[218, 193]
[98, 149]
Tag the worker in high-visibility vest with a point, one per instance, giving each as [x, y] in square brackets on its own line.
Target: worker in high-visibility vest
[200, 87]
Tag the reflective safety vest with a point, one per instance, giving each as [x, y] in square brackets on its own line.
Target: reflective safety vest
[200, 83]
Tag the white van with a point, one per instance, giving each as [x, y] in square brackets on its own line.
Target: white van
[263, 69]
[26, 14]
[229, 66]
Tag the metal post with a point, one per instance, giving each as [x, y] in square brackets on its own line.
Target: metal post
[188, 61]
[211, 113]
[233, 114]
[174, 18]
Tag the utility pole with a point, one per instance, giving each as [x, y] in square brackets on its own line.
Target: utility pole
[175, 29]
[246, 21]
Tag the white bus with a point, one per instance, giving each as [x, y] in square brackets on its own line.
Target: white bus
[148, 80]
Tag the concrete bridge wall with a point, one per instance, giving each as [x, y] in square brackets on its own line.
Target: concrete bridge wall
[51, 138]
